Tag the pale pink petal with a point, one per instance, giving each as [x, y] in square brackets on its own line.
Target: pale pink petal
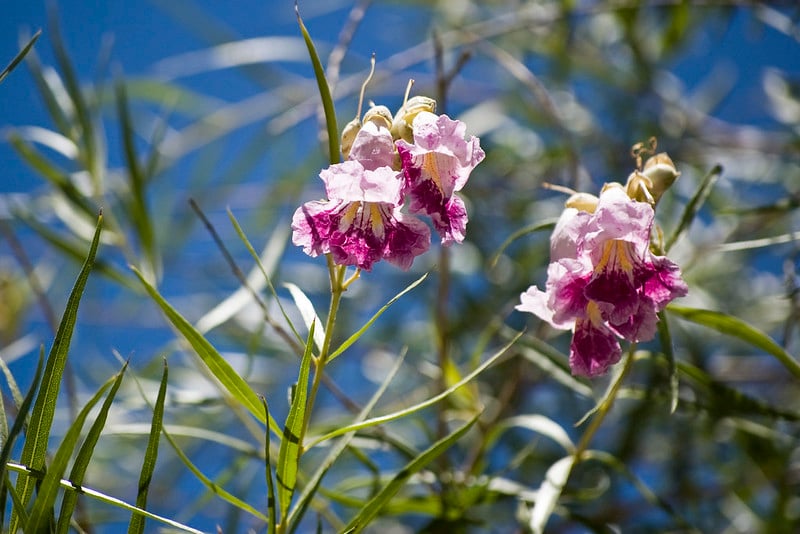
[350, 181]
[373, 147]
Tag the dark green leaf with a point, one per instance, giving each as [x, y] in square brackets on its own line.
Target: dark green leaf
[293, 430]
[19, 57]
[374, 506]
[136, 524]
[735, 327]
[324, 93]
[34, 452]
[694, 205]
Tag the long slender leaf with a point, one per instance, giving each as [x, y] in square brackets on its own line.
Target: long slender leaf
[694, 205]
[75, 93]
[136, 524]
[139, 216]
[738, 328]
[324, 93]
[20, 56]
[353, 338]
[549, 492]
[271, 512]
[102, 497]
[308, 313]
[34, 451]
[543, 225]
[81, 463]
[219, 367]
[316, 478]
[212, 486]
[420, 406]
[666, 346]
[16, 430]
[374, 506]
[41, 514]
[291, 440]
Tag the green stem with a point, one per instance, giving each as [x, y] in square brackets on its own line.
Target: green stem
[605, 406]
[338, 286]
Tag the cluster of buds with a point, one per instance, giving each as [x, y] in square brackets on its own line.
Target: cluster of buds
[413, 154]
[604, 282]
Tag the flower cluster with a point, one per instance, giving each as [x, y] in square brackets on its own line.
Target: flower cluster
[415, 154]
[604, 282]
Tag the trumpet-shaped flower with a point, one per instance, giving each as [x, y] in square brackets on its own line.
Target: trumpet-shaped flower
[437, 165]
[603, 282]
[361, 223]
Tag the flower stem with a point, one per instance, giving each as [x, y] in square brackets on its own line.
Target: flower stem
[605, 406]
[338, 286]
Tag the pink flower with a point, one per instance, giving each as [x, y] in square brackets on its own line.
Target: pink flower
[436, 166]
[603, 282]
[361, 223]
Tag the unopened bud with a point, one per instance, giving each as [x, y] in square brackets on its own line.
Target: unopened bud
[661, 172]
[380, 115]
[349, 134]
[582, 202]
[403, 120]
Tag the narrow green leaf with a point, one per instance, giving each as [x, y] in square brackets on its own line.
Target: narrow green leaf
[316, 478]
[101, 497]
[537, 423]
[19, 57]
[360, 332]
[16, 393]
[42, 511]
[85, 454]
[58, 178]
[34, 451]
[308, 313]
[75, 94]
[722, 400]
[16, 429]
[291, 440]
[212, 486]
[265, 272]
[666, 346]
[272, 523]
[136, 524]
[139, 215]
[374, 506]
[694, 205]
[52, 94]
[738, 328]
[324, 93]
[417, 407]
[219, 367]
[73, 248]
[542, 225]
[549, 492]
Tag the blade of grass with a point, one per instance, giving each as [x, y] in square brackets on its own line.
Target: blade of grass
[374, 506]
[20, 56]
[41, 514]
[212, 486]
[666, 346]
[139, 215]
[34, 451]
[353, 338]
[136, 524]
[316, 478]
[417, 407]
[292, 437]
[271, 512]
[16, 429]
[694, 205]
[102, 497]
[219, 367]
[733, 326]
[543, 225]
[324, 92]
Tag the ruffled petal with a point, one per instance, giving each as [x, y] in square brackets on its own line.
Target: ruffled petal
[594, 348]
[373, 147]
[312, 224]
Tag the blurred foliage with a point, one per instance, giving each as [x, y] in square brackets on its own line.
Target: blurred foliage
[558, 92]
